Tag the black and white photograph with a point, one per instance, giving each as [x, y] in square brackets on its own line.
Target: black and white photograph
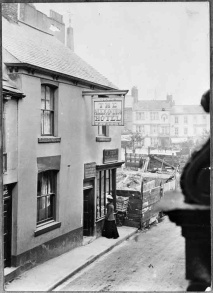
[105, 146]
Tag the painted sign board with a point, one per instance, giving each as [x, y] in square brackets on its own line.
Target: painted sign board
[108, 111]
[110, 155]
[89, 170]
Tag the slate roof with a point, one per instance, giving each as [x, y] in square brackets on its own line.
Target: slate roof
[187, 109]
[32, 46]
[152, 105]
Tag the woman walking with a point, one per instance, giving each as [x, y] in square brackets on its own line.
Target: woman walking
[110, 229]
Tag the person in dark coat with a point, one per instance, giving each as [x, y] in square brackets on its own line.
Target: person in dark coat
[110, 229]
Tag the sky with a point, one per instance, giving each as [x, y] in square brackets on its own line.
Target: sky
[161, 48]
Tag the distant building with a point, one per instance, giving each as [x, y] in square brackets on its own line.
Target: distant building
[163, 123]
[188, 122]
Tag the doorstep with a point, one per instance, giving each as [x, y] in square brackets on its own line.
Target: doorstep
[11, 273]
[88, 239]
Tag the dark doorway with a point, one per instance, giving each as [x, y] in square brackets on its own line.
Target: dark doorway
[7, 197]
[88, 219]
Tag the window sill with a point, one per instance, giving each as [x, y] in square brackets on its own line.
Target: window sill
[49, 139]
[103, 139]
[46, 228]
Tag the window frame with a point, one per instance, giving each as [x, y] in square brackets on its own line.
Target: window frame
[51, 110]
[103, 134]
[185, 119]
[103, 130]
[53, 196]
[101, 200]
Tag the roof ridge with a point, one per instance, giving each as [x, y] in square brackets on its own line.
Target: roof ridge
[27, 24]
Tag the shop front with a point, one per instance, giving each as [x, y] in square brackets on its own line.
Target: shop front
[105, 183]
[98, 181]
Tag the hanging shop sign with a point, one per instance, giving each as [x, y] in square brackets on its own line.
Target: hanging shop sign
[108, 111]
[110, 155]
[89, 170]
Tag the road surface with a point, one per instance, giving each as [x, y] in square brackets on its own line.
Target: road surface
[153, 260]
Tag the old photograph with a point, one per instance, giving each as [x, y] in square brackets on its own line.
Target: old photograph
[105, 146]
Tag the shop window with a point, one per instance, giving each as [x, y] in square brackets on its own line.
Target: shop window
[46, 196]
[47, 110]
[104, 185]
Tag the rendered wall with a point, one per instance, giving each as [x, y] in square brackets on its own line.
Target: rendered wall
[11, 140]
[70, 177]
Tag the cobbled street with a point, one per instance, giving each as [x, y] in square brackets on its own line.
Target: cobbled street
[153, 260]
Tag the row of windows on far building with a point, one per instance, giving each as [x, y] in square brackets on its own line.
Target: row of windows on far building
[161, 130]
[177, 119]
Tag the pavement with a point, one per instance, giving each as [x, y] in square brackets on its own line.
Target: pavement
[52, 273]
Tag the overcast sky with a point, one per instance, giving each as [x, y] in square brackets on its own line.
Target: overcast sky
[162, 48]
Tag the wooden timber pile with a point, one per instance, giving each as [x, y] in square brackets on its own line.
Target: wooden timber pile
[141, 205]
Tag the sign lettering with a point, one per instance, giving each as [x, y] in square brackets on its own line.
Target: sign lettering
[89, 170]
[110, 155]
[107, 111]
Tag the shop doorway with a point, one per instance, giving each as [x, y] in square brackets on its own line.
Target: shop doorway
[88, 215]
[7, 198]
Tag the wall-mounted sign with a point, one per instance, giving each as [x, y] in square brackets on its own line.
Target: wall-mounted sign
[110, 155]
[108, 111]
[89, 170]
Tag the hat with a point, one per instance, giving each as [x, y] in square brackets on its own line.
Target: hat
[108, 196]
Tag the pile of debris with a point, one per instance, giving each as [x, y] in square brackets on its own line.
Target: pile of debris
[129, 180]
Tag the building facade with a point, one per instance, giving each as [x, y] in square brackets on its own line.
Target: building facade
[59, 166]
[188, 122]
[162, 123]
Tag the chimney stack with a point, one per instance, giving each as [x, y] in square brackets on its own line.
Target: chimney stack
[70, 35]
[70, 38]
[10, 11]
[135, 94]
[169, 99]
